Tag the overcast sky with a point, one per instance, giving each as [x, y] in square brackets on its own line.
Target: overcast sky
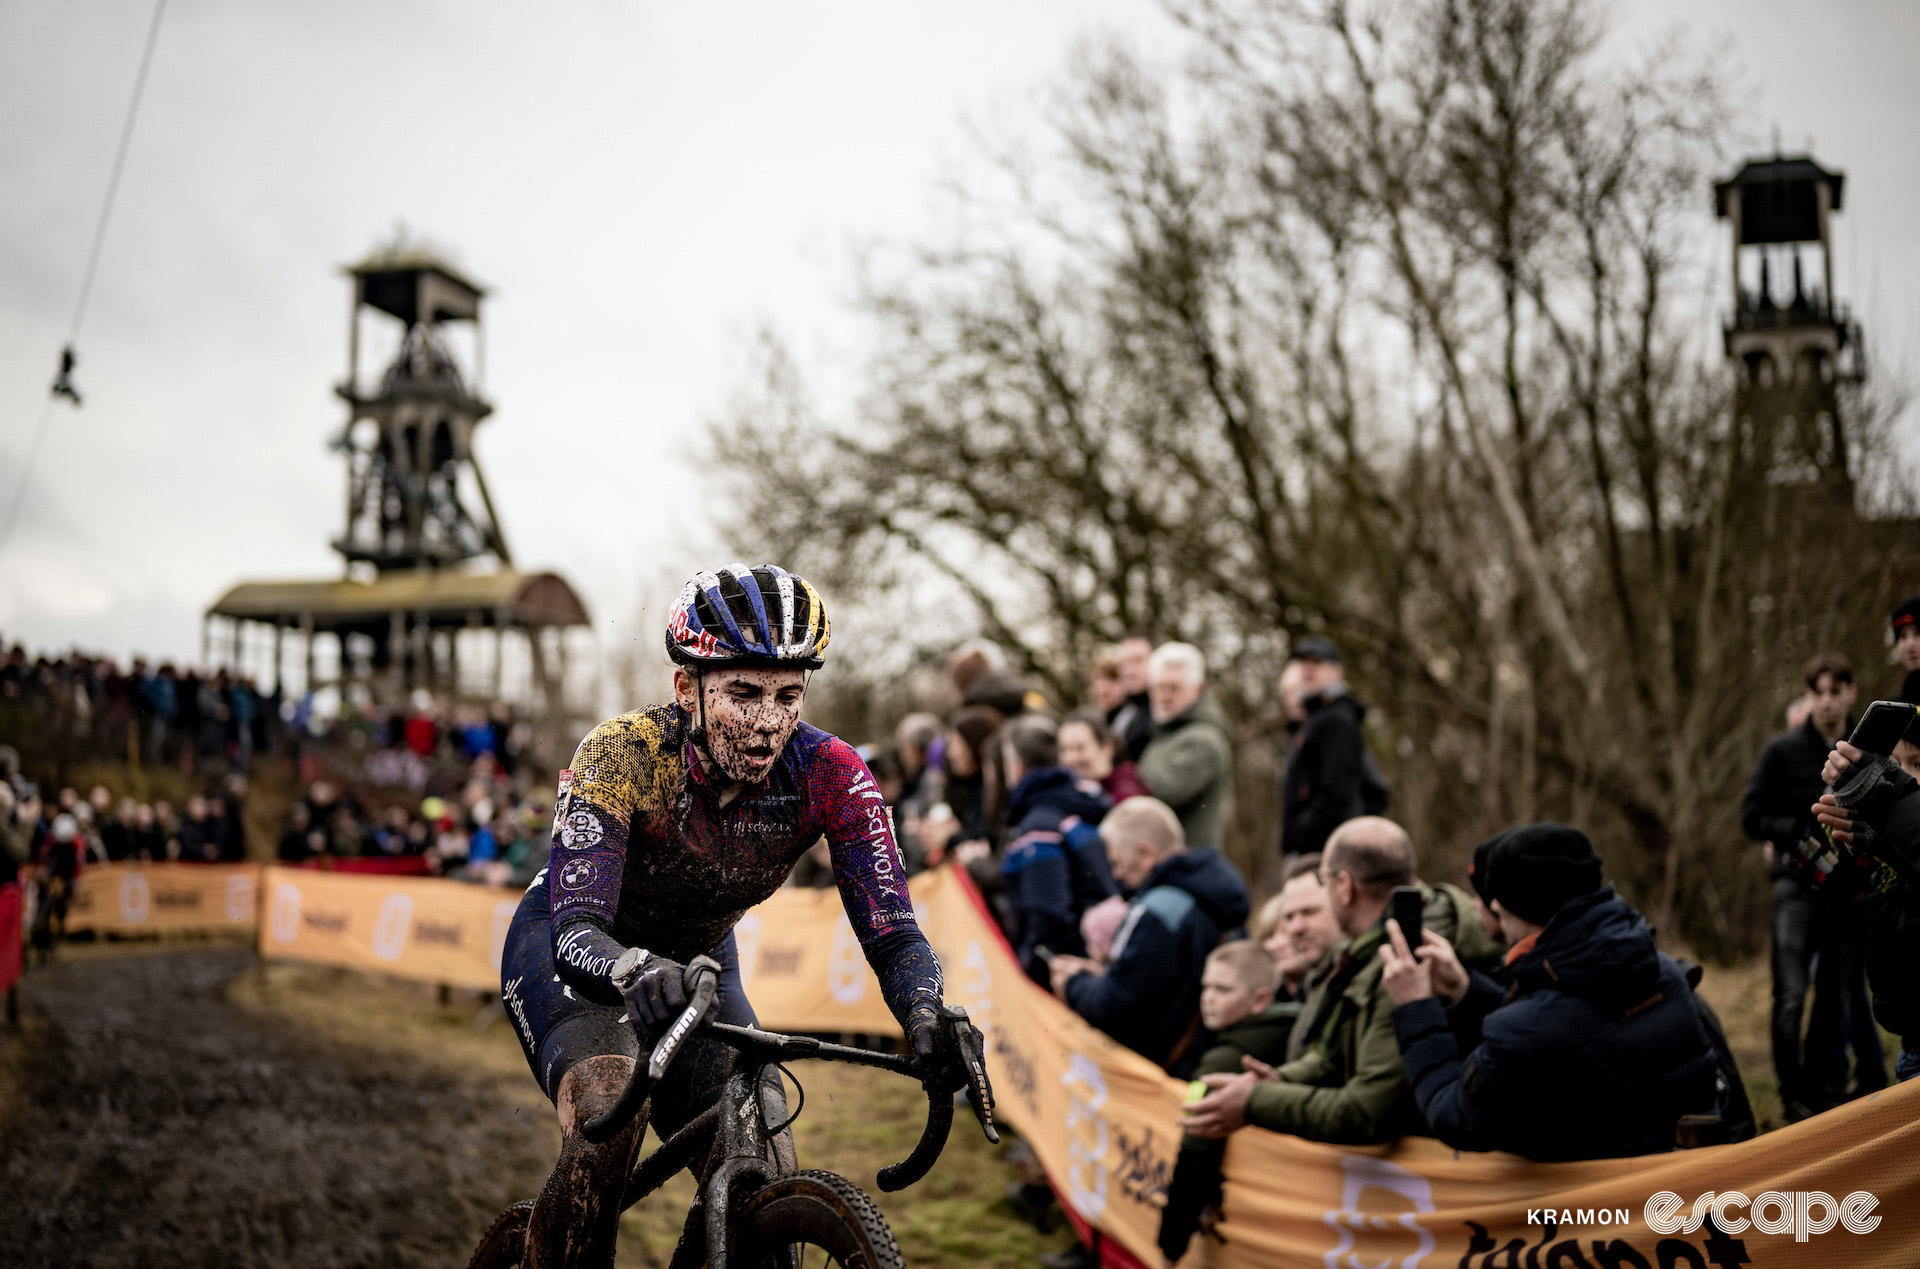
[641, 186]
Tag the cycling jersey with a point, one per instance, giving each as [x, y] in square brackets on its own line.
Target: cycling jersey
[644, 854]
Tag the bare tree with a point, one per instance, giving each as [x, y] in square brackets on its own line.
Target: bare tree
[1387, 320]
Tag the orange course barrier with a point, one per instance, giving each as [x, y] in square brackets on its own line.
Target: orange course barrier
[1836, 1189]
[425, 928]
[164, 898]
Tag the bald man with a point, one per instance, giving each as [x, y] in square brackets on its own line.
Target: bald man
[1344, 1081]
[1148, 996]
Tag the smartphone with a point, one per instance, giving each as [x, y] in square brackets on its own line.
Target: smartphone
[1405, 908]
[1884, 725]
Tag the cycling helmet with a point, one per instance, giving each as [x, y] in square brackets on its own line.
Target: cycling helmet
[762, 616]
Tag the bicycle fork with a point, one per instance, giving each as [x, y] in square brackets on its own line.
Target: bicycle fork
[742, 1150]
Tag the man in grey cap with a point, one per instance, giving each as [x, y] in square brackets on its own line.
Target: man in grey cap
[1330, 777]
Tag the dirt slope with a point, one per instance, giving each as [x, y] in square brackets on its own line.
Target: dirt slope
[155, 1122]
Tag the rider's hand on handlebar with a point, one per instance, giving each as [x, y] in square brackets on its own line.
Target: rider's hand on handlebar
[943, 1050]
[923, 1034]
[657, 994]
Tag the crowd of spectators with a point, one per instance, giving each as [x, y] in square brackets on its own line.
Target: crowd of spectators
[432, 787]
[1096, 839]
[161, 713]
[482, 831]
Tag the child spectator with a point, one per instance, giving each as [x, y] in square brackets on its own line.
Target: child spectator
[1237, 1005]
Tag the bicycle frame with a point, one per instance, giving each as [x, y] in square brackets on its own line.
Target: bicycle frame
[734, 1130]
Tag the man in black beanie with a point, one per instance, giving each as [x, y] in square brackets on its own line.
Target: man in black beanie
[1591, 1051]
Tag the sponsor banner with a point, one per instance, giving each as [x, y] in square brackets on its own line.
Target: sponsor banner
[142, 898]
[1104, 1121]
[804, 969]
[424, 928]
[1832, 1190]
[1101, 1118]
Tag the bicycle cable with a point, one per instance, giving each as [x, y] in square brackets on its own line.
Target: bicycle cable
[800, 1093]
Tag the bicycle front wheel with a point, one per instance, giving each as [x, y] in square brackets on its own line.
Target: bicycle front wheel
[807, 1220]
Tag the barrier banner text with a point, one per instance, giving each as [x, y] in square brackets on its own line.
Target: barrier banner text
[164, 898]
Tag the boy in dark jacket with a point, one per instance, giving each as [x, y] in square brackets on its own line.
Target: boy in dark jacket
[1593, 1050]
[1237, 1005]
[1184, 900]
[1055, 866]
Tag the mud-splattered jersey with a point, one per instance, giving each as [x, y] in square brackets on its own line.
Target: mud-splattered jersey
[645, 856]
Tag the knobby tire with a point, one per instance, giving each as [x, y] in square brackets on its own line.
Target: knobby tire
[506, 1241]
[821, 1210]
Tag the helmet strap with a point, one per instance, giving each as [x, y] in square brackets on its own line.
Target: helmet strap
[699, 736]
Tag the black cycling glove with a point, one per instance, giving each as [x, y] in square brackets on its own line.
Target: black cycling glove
[656, 994]
[947, 1050]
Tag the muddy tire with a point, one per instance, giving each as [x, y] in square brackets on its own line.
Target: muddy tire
[797, 1219]
[506, 1241]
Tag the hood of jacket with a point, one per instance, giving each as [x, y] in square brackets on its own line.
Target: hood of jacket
[1214, 884]
[1058, 790]
[1596, 947]
[1201, 711]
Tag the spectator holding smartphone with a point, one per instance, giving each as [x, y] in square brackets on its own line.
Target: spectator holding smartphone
[1870, 809]
[1592, 1051]
[1343, 1080]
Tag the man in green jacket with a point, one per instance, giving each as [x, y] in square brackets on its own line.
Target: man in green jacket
[1343, 1080]
[1189, 762]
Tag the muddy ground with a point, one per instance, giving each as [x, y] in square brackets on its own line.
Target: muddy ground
[153, 1120]
[172, 1104]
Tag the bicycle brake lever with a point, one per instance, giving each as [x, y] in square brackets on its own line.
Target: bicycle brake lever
[969, 1043]
[703, 977]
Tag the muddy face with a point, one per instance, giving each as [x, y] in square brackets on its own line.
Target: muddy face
[749, 716]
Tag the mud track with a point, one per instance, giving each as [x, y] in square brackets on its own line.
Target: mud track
[153, 1121]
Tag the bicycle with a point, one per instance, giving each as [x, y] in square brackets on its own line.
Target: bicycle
[748, 1210]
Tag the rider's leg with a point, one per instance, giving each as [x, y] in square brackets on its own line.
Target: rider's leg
[582, 1054]
[577, 1216]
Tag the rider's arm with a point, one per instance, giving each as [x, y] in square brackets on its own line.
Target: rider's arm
[873, 881]
[591, 819]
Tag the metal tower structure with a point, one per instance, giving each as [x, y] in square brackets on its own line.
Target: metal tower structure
[1794, 344]
[409, 435]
